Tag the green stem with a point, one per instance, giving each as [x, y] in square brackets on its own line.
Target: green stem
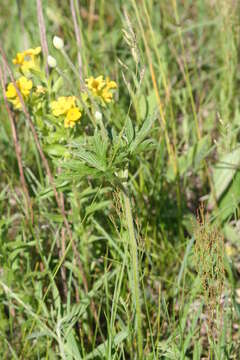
[136, 296]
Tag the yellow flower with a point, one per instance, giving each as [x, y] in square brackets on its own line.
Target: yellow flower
[101, 88]
[62, 105]
[110, 84]
[40, 89]
[73, 115]
[95, 85]
[28, 65]
[19, 59]
[57, 107]
[24, 85]
[27, 59]
[11, 91]
[70, 101]
[107, 96]
[16, 103]
[13, 97]
[33, 52]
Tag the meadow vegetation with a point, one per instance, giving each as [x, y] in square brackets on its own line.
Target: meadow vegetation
[120, 182]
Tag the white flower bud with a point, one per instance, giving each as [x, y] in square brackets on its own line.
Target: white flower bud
[52, 62]
[58, 43]
[98, 116]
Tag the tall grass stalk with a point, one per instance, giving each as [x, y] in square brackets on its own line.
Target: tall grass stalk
[190, 92]
[171, 149]
[136, 293]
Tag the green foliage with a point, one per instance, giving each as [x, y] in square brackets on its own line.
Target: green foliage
[107, 269]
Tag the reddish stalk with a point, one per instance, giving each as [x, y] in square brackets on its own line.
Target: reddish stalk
[18, 151]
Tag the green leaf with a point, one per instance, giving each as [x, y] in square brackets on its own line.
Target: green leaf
[129, 131]
[54, 217]
[97, 206]
[58, 84]
[48, 191]
[142, 106]
[231, 233]
[151, 102]
[91, 159]
[147, 144]
[71, 346]
[230, 199]
[100, 147]
[224, 172]
[56, 150]
[142, 133]
[102, 348]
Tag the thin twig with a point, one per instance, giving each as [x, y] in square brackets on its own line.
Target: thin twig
[42, 31]
[18, 151]
[78, 39]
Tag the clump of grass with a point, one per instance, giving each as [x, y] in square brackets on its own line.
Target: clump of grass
[209, 260]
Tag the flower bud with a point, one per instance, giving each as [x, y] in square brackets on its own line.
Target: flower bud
[98, 116]
[58, 43]
[52, 62]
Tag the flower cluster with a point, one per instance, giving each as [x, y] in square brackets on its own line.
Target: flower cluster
[101, 89]
[24, 86]
[66, 111]
[66, 105]
[98, 88]
[27, 59]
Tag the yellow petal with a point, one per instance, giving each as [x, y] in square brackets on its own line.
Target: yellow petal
[16, 103]
[40, 89]
[11, 91]
[33, 52]
[68, 123]
[24, 85]
[19, 59]
[59, 106]
[28, 65]
[73, 114]
[110, 84]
